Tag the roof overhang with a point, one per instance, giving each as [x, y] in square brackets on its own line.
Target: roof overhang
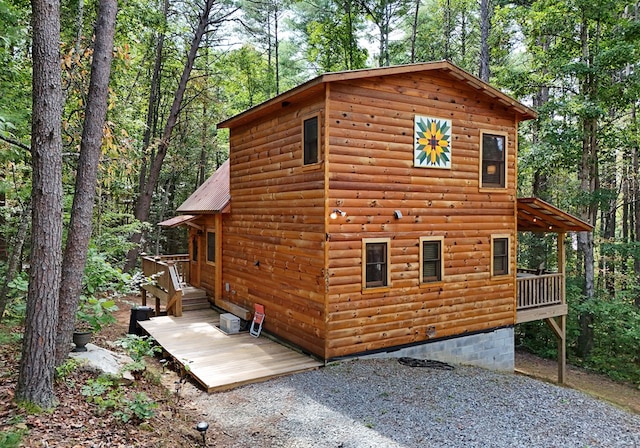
[180, 221]
[536, 215]
[316, 86]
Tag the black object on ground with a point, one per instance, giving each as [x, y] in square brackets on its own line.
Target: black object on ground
[430, 363]
[138, 313]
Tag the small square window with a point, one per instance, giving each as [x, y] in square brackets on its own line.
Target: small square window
[430, 260]
[500, 256]
[493, 162]
[311, 140]
[376, 263]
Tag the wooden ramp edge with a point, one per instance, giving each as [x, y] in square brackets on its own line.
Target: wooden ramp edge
[218, 361]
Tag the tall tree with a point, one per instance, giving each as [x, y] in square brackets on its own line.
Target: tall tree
[35, 380]
[80, 225]
[386, 16]
[485, 27]
[211, 15]
[329, 30]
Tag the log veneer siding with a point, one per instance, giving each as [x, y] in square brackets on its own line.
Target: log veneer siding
[281, 249]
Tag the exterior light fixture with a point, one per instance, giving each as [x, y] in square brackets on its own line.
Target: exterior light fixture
[397, 214]
[202, 429]
[337, 212]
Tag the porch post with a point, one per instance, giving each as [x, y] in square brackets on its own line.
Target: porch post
[562, 336]
[562, 350]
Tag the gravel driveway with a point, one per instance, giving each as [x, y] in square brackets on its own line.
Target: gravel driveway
[382, 403]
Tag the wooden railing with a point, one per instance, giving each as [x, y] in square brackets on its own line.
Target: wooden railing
[540, 296]
[167, 274]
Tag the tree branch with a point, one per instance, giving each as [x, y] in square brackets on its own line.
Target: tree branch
[15, 143]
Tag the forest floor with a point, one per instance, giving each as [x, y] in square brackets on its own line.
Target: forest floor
[77, 423]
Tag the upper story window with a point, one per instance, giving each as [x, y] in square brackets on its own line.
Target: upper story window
[431, 260]
[499, 255]
[311, 140]
[376, 271]
[493, 167]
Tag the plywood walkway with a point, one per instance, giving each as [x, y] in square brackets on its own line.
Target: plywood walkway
[219, 361]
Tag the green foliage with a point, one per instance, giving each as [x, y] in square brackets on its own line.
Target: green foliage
[12, 439]
[67, 368]
[104, 392]
[138, 348]
[100, 276]
[616, 327]
[108, 395]
[141, 407]
[95, 313]
[112, 230]
[16, 297]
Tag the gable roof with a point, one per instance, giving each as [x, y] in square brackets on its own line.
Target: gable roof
[536, 215]
[317, 85]
[213, 196]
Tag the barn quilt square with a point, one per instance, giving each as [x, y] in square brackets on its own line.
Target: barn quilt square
[432, 147]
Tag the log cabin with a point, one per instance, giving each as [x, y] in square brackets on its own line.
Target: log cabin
[374, 213]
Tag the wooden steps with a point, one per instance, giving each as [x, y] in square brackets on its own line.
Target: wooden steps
[194, 299]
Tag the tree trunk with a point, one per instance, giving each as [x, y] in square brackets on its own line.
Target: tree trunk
[80, 224]
[588, 176]
[143, 203]
[485, 26]
[35, 379]
[15, 258]
[414, 31]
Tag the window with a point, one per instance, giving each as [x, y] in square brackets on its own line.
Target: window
[493, 165]
[310, 131]
[376, 272]
[194, 248]
[500, 255]
[431, 260]
[211, 247]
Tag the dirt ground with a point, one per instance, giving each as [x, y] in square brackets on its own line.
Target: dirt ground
[622, 395]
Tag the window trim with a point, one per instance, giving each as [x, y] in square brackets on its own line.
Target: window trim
[215, 248]
[493, 187]
[304, 119]
[440, 240]
[507, 255]
[387, 242]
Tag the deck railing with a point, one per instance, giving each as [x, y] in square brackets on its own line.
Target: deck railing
[540, 296]
[167, 274]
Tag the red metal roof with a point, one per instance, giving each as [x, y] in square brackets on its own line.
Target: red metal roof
[213, 196]
[177, 220]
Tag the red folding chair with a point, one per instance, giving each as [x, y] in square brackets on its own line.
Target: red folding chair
[258, 320]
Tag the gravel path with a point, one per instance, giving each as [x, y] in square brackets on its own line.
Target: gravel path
[382, 403]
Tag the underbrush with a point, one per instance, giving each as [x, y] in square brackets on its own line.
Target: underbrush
[96, 409]
[616, 337]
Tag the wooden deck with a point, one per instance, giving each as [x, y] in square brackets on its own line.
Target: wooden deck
[218, 361]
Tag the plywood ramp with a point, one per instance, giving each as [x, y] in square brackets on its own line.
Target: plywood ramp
[219, 361]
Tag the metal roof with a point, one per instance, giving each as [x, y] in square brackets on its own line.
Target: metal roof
[177, 220]
[213, 196]
[536, 215]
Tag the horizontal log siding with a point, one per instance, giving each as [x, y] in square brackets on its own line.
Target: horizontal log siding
[371, 174]
[274, 238]
[207, 271]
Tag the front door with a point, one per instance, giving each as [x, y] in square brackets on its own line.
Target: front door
[195, 253]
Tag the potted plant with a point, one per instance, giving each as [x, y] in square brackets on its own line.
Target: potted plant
[93, 314]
